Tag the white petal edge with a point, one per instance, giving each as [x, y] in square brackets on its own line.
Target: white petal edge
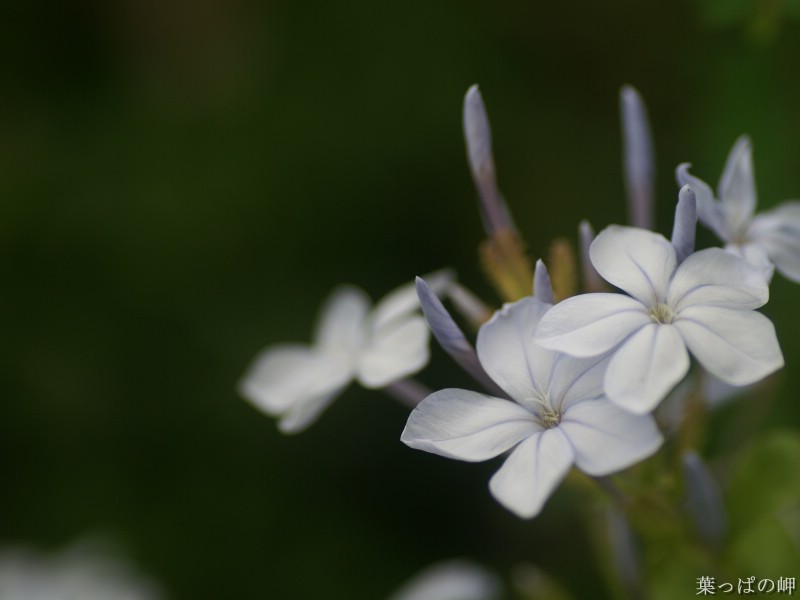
[532, 472]
[467, 425]
[738, 347]
[607, 438]
[637, 261]
[590, 324]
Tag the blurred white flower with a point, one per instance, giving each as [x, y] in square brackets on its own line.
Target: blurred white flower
[559, 415]
[767, 241]
[705, 304]
[375, 346]
[79, 573]
[451, 580]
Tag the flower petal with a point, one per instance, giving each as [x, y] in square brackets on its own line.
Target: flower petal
[607, 438]
[341, 324]
[737, 189]
[739, 347]
[294, 379]
[709, 210]
[403, 300]
[635, 260]
[532, 471]
[282, 375]
[590, 324]
[467, 426]
[719, 278]
[778, 232]
[398, 349]
[303, 413]
[756, 256]
[506, 349]
[646, 367]
[573, 380]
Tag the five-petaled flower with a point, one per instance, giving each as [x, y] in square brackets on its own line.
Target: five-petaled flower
[375, 347]
[705, 304]
[558, 416]
[769, 240]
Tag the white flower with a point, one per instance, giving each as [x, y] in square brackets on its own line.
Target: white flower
[77, 573]
[451, 580]
[375, 346]
[558, 416]
[705, 304]
[767, 241]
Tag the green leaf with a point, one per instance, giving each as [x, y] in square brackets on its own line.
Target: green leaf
[764, 506]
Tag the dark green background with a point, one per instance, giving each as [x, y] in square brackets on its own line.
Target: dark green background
[182, 183]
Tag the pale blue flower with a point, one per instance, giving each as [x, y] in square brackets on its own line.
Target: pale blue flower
[770, 240]
[375, 346]
[704, 305]
[559, 415]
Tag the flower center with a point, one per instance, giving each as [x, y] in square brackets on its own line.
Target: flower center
[661, 313]
[549, 418]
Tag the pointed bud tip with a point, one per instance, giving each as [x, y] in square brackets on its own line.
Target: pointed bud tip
[687, 192]
[628, 92]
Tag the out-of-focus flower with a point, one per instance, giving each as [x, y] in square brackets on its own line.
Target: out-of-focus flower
[558, 417]
[79, 573]
[451, 580]
[373, 345]
[769, 240]
[705, 304]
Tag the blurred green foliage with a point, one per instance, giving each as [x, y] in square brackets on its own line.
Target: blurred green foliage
[183, 182]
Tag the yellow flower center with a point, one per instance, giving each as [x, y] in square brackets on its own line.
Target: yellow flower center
[661, 313]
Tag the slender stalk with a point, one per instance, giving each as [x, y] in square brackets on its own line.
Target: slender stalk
[409, 392]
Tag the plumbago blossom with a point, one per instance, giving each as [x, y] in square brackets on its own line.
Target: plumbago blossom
[768, 241]
[704, 304]
[375, 346]
[558, 415]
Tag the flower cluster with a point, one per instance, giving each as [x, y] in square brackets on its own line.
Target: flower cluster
[583, 376]
[568, 380]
